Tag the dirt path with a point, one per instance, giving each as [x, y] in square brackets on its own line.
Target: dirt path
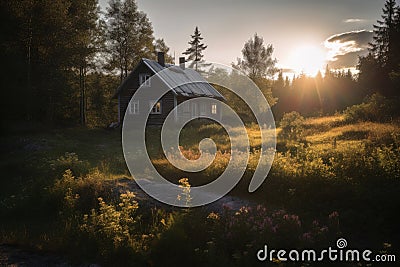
[232, 202]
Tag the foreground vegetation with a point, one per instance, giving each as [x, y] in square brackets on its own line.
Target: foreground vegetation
[329, 179]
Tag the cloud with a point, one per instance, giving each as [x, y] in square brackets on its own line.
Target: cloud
[286, 70]
[354, 20]
[345, 61]
[345, 48]
[361, 37]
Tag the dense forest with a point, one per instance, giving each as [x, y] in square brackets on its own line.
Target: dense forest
[63, 60]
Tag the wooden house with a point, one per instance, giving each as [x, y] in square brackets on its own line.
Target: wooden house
[183, 84]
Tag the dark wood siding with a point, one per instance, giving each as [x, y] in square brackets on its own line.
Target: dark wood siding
[130, 88]
[167, 101]
[167, 104]
[185, 113]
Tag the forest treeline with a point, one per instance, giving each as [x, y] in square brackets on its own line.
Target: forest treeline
[319, 95]
[378, 73]
[62, 60]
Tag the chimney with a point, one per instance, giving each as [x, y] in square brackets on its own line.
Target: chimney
[161, 58]
[182, 61]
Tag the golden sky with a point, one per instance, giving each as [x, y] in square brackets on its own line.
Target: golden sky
[306, 34]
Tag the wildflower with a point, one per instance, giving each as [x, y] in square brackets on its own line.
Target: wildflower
[387, 245]
[307, 236]
[334, 215]
[244, 209]
[226, 207]
[213, 216]
[261, 209]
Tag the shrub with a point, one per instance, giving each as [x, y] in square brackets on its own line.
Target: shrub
[292, 125]
[375, 108]
[113, 226]
[236, 235]
[88, 188]
[70, 161]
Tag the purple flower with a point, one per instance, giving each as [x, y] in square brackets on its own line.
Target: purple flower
[226, 207]
[334, 215]
[307, 236]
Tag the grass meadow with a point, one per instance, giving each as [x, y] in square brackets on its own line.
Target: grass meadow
[65, 191]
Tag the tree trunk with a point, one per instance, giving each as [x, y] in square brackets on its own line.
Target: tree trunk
[82, 95]
[29, 110]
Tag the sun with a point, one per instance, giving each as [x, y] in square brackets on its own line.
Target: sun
[307, 59]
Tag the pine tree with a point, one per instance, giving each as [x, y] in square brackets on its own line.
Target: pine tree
[287, 83]
[195, 51]
[280, 82]
[378, 69]
[383, 46]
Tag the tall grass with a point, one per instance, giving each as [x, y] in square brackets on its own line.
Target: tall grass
[312, 183]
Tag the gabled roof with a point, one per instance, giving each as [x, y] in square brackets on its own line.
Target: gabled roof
[185, 82]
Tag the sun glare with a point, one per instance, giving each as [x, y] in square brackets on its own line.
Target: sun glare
[307, 59]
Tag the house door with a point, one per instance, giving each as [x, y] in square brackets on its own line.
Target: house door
[195, 110]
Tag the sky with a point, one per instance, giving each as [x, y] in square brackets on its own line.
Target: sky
[306, 34]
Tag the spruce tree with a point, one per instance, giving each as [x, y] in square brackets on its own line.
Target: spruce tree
[378, 69]
[383, 46]
[195, 51]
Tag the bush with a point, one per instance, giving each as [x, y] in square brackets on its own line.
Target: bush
[292, 125]
[70, 161]
[88, 188]
[375, 108]
[235, 236]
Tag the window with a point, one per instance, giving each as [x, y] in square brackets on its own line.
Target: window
[155, 107]
[186, 107]
[214, 109]
[195, 111]
[203, 109]
[133, 107]
[144, 79]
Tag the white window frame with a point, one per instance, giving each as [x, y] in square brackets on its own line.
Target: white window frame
[133, 107]
[195, 109]
[203, 108]
[214, 109]
[153, 106]
[144, 79]
[186, 107]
